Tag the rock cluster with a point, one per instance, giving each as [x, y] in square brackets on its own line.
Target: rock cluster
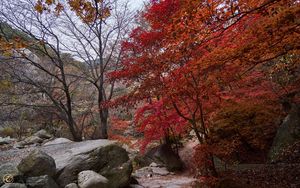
[38, 138]
[88, 165]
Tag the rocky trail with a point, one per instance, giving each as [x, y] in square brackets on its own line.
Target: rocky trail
[169, 181]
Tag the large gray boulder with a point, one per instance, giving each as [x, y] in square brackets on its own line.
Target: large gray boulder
[91, 179]
[37, 163]
[13, 185]
[108, 161]
[8, 169]
[41, 182]
[72, 158]
[287, 134]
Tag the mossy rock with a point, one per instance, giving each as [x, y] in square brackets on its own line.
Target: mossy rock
[287, 134]
[119, 176]
[37, 163]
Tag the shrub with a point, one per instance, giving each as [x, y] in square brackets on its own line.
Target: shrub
[7, 131]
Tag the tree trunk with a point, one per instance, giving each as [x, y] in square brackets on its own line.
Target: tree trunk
[104, 123]
[103, 115]
[71, 125]
[209, 169]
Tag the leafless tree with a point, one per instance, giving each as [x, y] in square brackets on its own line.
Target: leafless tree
[98, 45]
[42, 66]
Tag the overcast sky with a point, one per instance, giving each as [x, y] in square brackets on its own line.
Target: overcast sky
[137, 4]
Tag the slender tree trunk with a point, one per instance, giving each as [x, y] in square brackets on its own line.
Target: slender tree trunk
[209, 168]
[74, 133]
[104, 123]
[103, 115]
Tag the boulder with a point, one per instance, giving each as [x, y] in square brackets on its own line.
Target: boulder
[164, 154]
[41, 182]
[6, 140]
[37, 163]
[71, 185]
[72, 158]
[42, 134]
[32, 140]
[19, 145]
[57, 141]
[161, 171]
[91, 179]
[13, 185]
[8, 169]
[287, 134]
[143, 172]
[104, 160]
[119, 176]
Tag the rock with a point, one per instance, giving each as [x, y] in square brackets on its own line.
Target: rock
[71, 185]
[74, 157]
[162, 171]
[143, 172]
[153, 164]
[150, 171]
[32, 140]
[91, 179]
[37, 163]
[6, 140]
[57, 141]
[19, 145]
[14, 185]
[8, 169]
[41, 182]
[287, 134]
[119, 176]
[165, 155]
[42, 134]
[105, 160]
[62, 153]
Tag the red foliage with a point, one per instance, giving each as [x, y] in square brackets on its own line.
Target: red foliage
[194, 55]
[158, 121]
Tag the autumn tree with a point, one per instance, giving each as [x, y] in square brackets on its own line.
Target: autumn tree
[194, 54]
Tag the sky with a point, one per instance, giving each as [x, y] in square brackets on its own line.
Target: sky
[137, 4]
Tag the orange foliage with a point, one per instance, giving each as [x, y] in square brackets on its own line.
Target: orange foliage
[87, 10]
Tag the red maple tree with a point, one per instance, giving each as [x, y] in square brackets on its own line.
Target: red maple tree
[193, 55]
